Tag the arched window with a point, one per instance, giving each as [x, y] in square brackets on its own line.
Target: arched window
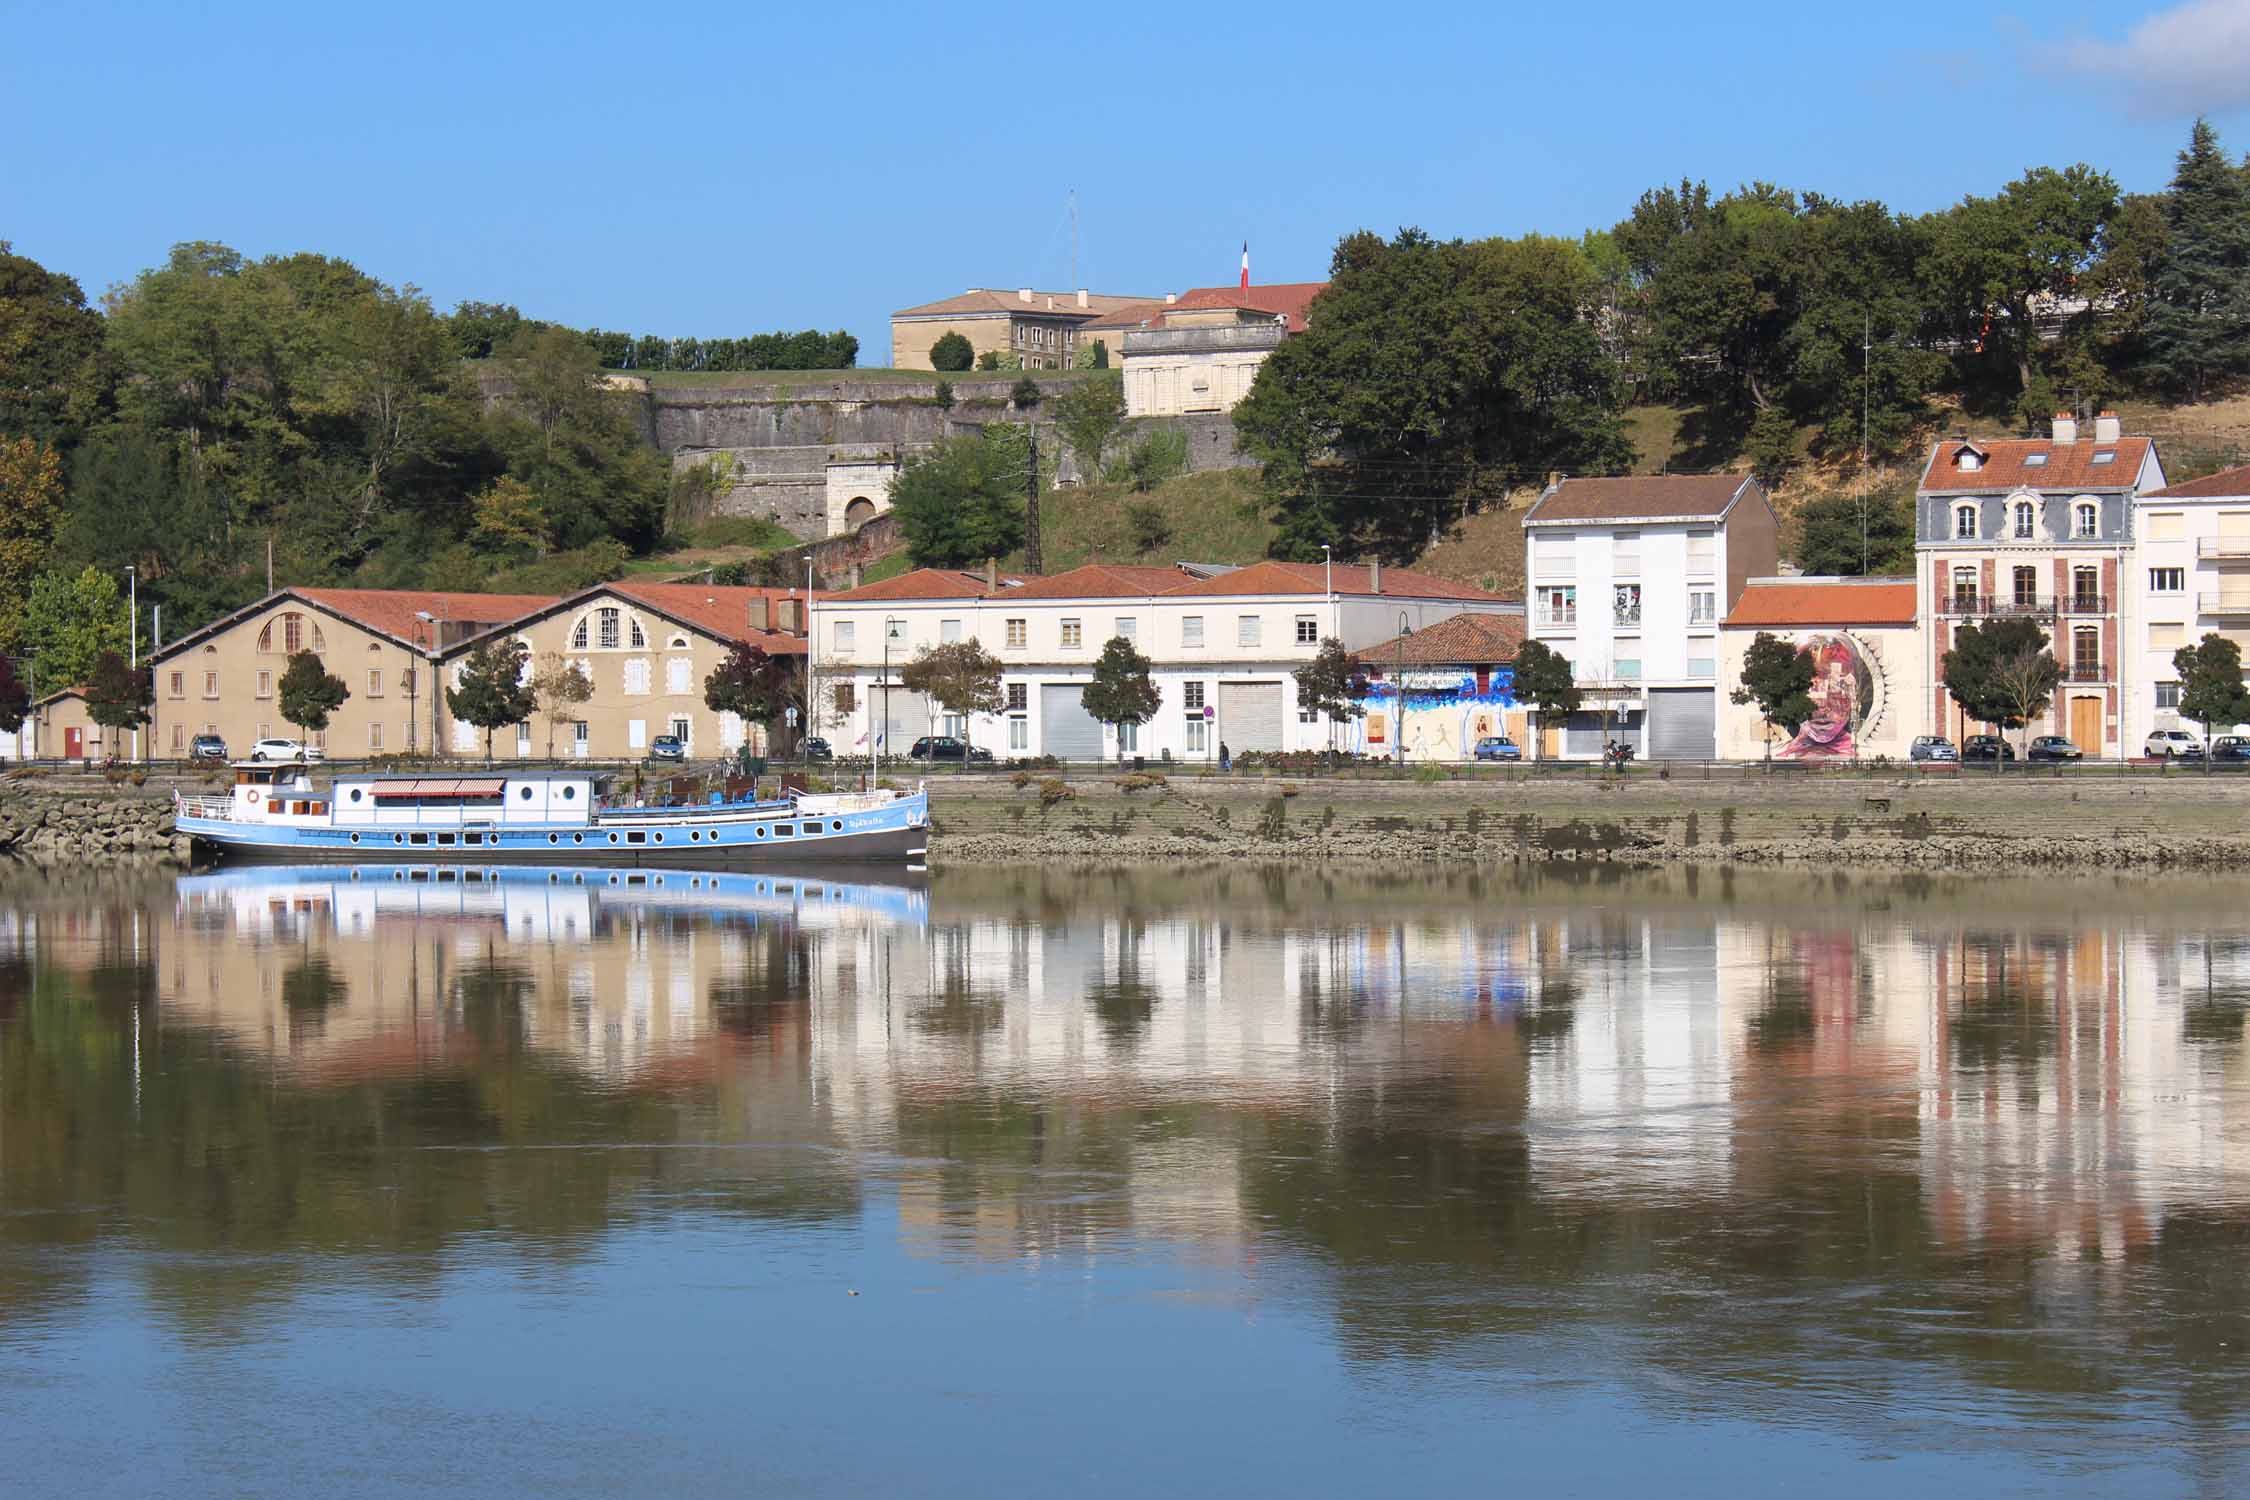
[606, 621]
[2024, 520]
[2089, 521]
[578, 634]
[677, 643]
[638, 640]
[1964, 523]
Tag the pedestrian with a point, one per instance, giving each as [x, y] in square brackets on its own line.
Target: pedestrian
[1226, 761]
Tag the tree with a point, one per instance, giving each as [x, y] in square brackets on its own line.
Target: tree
[55, 375]
[1830, 539]
[69, 621]
[1772, 446]
[750, 683]
[1545, 680]
[15, 697]
[1025, 396]
[2198, 321]
[1778, 678]
[1089, 414]
[558, 686]
[961, 677]
[951, 353]
[31, 508]
[1151, 529]
[492, 692]
[1332, 685]
[943, 396]
[2001, 672]
[508, 518]
[308, 693]
[118, 696]
[959, 503]
[1120, 692]
[1160, 455]
[2211, 690]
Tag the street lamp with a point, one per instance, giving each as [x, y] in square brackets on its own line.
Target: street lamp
[1403, 632]
[133, 609]
[893, 627]
[812, 644]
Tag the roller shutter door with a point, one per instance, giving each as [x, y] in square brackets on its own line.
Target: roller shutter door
[1683, 724]
[1066, 730]
[1250, 715]
[1583, 735]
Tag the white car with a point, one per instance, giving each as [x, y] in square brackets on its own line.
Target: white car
[2166, 744]
[295, 750]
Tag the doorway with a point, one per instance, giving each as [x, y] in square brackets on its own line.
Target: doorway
[2086, 724]
[73, 742]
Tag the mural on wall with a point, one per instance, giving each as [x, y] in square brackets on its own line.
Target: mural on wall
[1443, 715]
[1846, 692]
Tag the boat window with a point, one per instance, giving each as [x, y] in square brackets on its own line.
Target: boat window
[445, 838]
[472, 838]
[784, 830]
[554, 838]
[835, 825]
[417, 838]
[694, 834]
[580, 838]
[760, 832]
[660, 838]
[569, 792]
[525, 794]
[357, 794]
[636, 838]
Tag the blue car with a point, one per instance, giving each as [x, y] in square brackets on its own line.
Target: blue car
[1498, 747]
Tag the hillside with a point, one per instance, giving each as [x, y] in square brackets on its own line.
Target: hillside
[1208, 517]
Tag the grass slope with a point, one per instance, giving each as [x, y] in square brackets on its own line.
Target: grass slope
[1213, 517]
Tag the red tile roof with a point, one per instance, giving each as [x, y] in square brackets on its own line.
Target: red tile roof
[922, 583]
[2035, 463]
[993, 301]
[721, 613]
[1639, 498]
[1291, 301]
[1824, 601]
[2226, 484]
[1458, 640]
[394, 611]
[1350, 579]
[1102, 581]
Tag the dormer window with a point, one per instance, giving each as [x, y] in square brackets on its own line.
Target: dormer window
[1964, 523]
[1967, 460]
[2025, 520]
[2088, 522]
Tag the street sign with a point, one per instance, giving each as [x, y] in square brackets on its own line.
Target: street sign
[1209, 713]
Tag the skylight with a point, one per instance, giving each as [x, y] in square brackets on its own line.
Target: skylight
[2105, 455]
[2035, 460]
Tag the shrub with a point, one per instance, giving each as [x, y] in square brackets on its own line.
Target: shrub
[1300, 762]
[1019, 780]
[1137, 781]
[952, 353]
[1151, 528]
[1054, 790]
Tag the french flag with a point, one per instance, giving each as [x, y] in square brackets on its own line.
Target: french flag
[1246, 265]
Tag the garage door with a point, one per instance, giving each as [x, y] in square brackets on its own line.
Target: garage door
[1066, 730]
[897, 715]
[1584, 733]
[1250, 715]
[1683, 724]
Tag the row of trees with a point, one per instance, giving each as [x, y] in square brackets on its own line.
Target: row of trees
[481, 329]
[1439, 375]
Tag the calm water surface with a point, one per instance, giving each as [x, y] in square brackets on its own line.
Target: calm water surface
[1034, 1183]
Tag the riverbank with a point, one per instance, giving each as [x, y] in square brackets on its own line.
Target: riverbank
[73, 819]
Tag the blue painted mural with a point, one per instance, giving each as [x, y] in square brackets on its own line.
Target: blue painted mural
[1444, 712]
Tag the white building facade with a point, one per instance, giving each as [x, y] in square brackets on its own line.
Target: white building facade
[2190, 577]
[1630, 580]
[1224, 646]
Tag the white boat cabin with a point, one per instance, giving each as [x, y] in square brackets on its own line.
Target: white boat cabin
[388, 801]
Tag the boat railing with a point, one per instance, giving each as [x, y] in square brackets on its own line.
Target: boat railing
[204, 807]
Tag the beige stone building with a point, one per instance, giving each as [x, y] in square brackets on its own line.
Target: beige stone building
[224, 679]
[61, 728]
[647, 649]
[1041, 328]
[1200, 351]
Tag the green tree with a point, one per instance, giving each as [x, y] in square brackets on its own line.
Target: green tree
[1332, 685]
[2198, 325]
[751, 683]
[2211, 690]
[1543, 678]
[557, 687]
[1437, 377]
[1025, 396]
[1120, 692]
[31, 509]
[1161, 454]
[55, 376]
[119, 697]
[951, 353]
[943, 396]
[1151, 529]
[1836, 530]
[1778, 677]
[493, 690]
[2001, 672]
[15, 697]
[1772, 446]
[309, 693]
[961, 677]
[959, 503]
[507, 518]
[1089, 414]
[69, 621]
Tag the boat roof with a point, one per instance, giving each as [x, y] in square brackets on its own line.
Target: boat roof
[496, 774]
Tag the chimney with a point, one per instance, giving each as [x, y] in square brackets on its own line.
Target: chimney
[792, 617]
[992, 575]
[2107, 428]
[1023, 294]
[761, 612]
[1082, 302]
[1170, 298]
[1375, 578]
[2066, 427]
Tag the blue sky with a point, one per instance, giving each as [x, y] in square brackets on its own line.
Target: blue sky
[729, 168]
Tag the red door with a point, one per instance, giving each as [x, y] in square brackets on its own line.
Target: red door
[73, 742]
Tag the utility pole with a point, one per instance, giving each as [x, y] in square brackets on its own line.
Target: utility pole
[1074, 239]
[1034, 558]
[1866, 384]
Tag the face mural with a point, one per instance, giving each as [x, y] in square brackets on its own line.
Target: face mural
[1843, 690]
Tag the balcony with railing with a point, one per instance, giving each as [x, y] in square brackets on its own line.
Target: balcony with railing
[1628, 617]
[1222, 339]
[1994, 606]
[2223, 602]
[2085, 671]
[1565, 618]
[2224, 548]
[2084, 604]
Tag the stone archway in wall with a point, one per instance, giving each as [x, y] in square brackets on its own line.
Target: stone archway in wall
[858, 512]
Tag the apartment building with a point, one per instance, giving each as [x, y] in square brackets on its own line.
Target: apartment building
[2040, 529]
[1630, 580]
[1224, 643]
[2191, 576]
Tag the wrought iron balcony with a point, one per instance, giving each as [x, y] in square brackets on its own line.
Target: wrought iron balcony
[2085, 604]
[2081, 671]
[1994, 606]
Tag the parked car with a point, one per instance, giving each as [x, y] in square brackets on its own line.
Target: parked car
[2173, 744]
[2054, 747]
[277, 749]
[207, 747]
[936, 747]
[1498, 747]
[667, 747]
[1987, 747]
[2230, 747]
[817, 748]
[1932, 747]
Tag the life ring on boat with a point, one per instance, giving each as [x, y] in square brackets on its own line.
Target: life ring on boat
[252, 798]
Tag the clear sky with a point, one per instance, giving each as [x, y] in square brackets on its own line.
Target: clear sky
[728, 168]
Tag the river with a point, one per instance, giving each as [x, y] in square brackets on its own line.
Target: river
[1012, 1181]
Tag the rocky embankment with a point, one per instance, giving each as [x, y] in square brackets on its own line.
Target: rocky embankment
[63, 823]
[1968, 823]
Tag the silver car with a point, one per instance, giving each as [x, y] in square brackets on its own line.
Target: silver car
[1932, 747]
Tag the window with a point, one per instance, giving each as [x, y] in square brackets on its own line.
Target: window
[265, 731]
[844, 635]
[606, 622]
[1558, 605]
[635, 639]
[1307, 714]
[2085, 589]
[578, 636]
[1702, 552]
[375, 737]
[1627, 604]
[637, 675]
[2169, 636]
[179, 738]
[1016, 634]
[2035, 460]
[1625, 554]
[176, 685]
[1191, 697]
[681, 730]
[2105, 455]
[2026, 584]
[1198, 737]
[1019, 698]
[677, 672]
[1191, 631]
[2168, 695]
[1019, 733]
[2089, 521]
[406, 681]
[2167, 526]
[1702, 667]
[2167, 580]
[636, 734]
[847, 697]
[1965, 523]
[210, 684]
[292, 633]
[265, 687]
[1628, 669]
[1964, 588]
[580, 733]
[1249, 630]
[1128, 738]
[1308, 630]
[374, 683]
[948, 631]
[2085, 652]
[2026, 518]
[1128, 628]
[1071, 635]
[1702, 607]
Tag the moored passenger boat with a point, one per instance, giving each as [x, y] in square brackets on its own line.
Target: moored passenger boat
[276, 812]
